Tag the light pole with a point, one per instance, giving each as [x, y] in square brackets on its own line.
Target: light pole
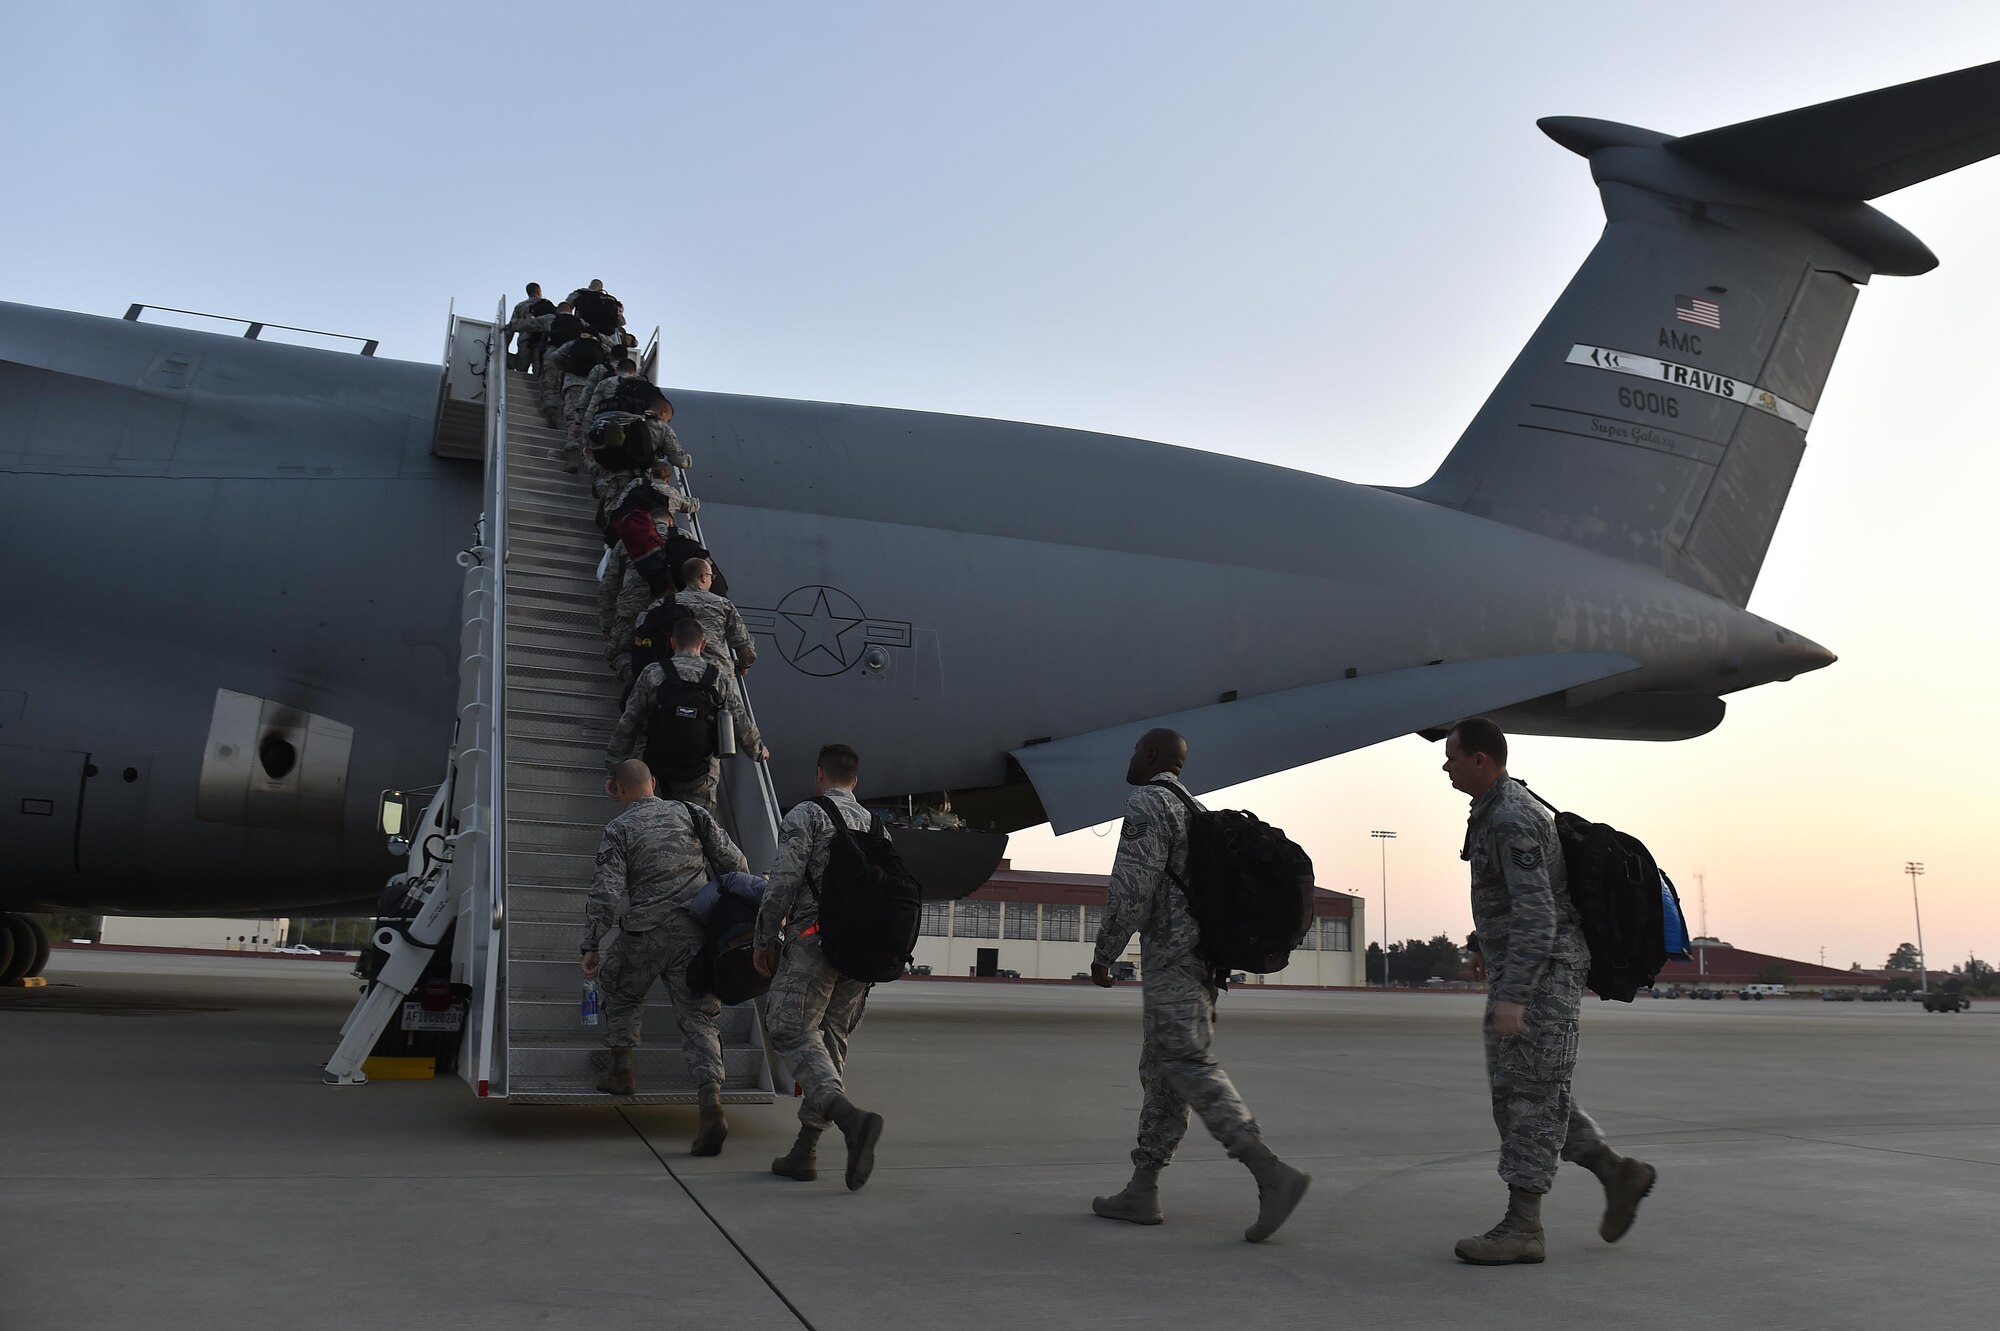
[1384, 838]
[1915, 869]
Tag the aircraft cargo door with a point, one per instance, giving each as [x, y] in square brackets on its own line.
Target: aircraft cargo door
[40, 791]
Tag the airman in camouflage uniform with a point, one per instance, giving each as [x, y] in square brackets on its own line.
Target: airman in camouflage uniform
[628, 736]
[1176, 1070]
[624, 591]
[1535, 959]
[654, 858]
[729, 644]
[812, 1009]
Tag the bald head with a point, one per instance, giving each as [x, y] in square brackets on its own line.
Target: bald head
[631, 781]
[697, 573]
[1158, 750]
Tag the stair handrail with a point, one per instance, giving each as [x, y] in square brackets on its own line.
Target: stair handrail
[493, 761]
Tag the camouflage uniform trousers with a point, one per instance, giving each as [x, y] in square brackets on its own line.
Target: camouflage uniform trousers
[1538, 1119]
[810, 1014]
[700, 791]
[629, 968]
[572, 410]
[1177, 1071]
[550, 385]
[634, 595]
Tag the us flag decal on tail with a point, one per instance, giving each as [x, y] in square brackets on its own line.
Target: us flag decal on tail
[1694, 310]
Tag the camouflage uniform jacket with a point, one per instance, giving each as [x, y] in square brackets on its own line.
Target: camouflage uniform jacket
[523, 322]
[661, 439]
[805, 840]
[599, 375]
[650, 864]
[628, 737]
[1145, 894]
[729, 642]
[523, 309]
[1520, 891]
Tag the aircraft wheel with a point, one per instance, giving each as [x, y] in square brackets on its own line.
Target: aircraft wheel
[21, 949]
[40, 961]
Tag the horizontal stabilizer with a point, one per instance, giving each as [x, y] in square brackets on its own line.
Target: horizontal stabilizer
[1865, 146]
[1081, 778]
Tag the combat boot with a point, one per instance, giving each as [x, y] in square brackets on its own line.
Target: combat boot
[1279, 1188]
[714, 1125]
[1517, 1238]
[620, 1078]
[1626, 1182]
[1139, 1203]
[802, 1161]
[862, 1130]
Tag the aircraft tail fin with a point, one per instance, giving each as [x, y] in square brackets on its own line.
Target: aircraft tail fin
[1659, 413]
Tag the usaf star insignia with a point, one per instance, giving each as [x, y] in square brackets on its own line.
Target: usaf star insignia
[1526, 858]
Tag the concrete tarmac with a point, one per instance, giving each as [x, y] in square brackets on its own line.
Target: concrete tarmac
[172, 1161]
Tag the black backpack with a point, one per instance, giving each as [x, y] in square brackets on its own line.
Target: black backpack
[583, 355]
[681, 547]
[1615, 886]
[616, 446]
[869, 905]
[635, 395]
[598, 309]
[564, 328]
[653, 635]
[1249, 888]
[681, 733]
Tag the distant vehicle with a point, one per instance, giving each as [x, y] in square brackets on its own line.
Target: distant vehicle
[920, 970]
[84, 941]
[1947, 1003]
[1081, 975]
[1124, 970]
[298, 950]
[1760, 992]
[1010, 975]
[1435, 982]
[1830, 996]
[1239, 978]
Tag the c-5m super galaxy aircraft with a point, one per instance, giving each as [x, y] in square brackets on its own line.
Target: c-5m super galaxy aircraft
[231, 598]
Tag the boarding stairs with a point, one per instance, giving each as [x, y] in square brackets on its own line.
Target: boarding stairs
[538, 703]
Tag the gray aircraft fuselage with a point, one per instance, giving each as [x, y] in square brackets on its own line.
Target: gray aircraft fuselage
[158, 556]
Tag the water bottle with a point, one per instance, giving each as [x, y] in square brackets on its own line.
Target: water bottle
[590, 1002]
[725, 734]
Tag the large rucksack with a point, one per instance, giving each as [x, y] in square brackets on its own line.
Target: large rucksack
[1249, 887]
[582, 355]
[598, 309]
[635, 394]
[681, 733]
[1617, 890]
[869, 905]
[616, 446]
[652, 634]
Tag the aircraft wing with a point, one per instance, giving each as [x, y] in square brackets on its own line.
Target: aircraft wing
[1079, 777]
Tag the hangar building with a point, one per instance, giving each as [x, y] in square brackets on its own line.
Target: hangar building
[1042, 925]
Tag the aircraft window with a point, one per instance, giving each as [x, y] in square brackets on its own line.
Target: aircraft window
[90, 769]
[278, 757]
[131, 774]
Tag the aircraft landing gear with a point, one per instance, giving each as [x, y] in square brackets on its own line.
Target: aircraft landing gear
[25, 949]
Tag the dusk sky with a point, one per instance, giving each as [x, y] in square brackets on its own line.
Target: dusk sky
[1313, 235]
